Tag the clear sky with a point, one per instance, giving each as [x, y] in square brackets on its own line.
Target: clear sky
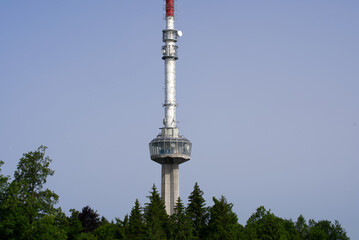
[268, 93]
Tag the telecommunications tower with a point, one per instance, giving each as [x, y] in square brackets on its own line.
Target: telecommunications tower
[169, 148]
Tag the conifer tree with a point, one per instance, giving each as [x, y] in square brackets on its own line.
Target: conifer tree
[155, 216]
[197, 212]
[180, 224]
[136, 225]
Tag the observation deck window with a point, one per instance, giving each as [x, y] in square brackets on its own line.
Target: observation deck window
[176, 147]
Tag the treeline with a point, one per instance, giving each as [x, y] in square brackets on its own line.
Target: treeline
[28, 211]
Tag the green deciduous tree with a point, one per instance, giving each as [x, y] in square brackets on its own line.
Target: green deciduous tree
[27, 208]
[337, 232]
[155, 217]
[107, 231]
[48, 227]
[316, 232]
[301, 227]
[3, 189]
[74, 227]
[264, 225]
[86, 236]
[288, 230]
[197, 212]
[3, 184]
[325, 229]
[30, 177]
[223, 222]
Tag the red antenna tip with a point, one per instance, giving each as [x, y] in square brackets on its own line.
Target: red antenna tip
[170, 8]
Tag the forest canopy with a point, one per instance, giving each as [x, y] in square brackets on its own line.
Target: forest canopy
[28, 210]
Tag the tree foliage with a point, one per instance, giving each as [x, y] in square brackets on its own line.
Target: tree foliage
[325, 229]
[265, 225]
[155, 216]
[74, 227]
[223, 222]
[136, 224]
[197, 212]
[27, 208]
[180, 223]
[3, 183]
[89, 218]
[28, 211]
[107, 231]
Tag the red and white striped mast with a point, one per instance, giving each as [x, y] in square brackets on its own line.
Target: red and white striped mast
[170, 148]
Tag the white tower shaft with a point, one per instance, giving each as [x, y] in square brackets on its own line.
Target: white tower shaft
[170, 74]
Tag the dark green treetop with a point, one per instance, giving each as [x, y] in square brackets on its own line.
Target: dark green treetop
[265, 225]
[223, 222]
[326, 230]
[155, 217]
[89, 218]
[180, 224]
[197, 212]
[136, 225]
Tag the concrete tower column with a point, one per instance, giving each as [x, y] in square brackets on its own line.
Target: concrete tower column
[170, 185]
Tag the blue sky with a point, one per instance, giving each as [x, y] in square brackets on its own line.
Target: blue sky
[267, 93]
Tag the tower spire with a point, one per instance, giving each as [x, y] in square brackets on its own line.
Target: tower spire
[169, 148]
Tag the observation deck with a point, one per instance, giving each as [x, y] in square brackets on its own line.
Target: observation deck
[170, 147]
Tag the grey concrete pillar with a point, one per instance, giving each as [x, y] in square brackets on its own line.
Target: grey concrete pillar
[170, 185]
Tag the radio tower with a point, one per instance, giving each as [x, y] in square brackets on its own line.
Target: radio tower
[169, 148]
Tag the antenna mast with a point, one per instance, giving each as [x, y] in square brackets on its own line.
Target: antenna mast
[169, 148]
